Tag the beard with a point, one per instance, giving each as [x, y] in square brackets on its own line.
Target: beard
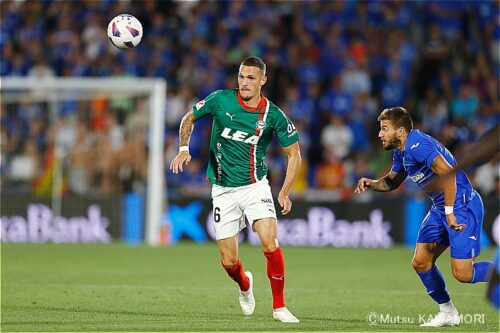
[246, 95]
[246, 98]
[390, 145]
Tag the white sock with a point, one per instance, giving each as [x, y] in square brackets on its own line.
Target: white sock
[447, 307]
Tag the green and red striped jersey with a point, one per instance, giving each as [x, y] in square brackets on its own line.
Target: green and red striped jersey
[241, 135]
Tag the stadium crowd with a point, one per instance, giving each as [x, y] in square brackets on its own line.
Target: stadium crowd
[332, 67]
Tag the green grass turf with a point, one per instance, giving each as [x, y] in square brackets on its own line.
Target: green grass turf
[183, 288]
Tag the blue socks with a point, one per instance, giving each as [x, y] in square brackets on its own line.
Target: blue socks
[481, 271]
[434, 283]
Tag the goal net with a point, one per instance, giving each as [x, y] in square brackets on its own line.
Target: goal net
[82, 159]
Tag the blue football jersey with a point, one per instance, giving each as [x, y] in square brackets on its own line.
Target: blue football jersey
[416, 160]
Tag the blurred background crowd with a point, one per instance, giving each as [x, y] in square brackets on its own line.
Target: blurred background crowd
[332, 67]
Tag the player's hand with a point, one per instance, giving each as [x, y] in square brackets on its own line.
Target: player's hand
[363, 185]
[285, 203]
[179, 160]
[452, 223]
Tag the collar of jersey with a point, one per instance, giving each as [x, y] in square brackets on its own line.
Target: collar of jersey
[261, 104]
[407, 143]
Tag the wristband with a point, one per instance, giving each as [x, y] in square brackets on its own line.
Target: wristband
[448, 210]
[183, 148]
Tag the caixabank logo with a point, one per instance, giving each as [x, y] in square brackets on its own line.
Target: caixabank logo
[41, 226]
[321, 227]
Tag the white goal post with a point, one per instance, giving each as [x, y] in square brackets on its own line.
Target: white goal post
[53, 89]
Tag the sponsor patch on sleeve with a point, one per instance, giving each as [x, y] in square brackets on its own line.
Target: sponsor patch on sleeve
[200, 104]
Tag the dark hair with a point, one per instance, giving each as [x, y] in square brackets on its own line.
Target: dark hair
[254, 61]
[398, 116]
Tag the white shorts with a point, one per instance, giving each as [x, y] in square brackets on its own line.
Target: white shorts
[232, 204]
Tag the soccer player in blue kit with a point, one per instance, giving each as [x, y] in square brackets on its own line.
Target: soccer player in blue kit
[455, 218]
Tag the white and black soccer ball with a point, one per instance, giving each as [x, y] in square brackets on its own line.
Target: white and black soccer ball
[125, 31]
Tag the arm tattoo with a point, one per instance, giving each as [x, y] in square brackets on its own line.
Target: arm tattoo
[435, 164]
[381, 185]
[186, 129]
[389, 183]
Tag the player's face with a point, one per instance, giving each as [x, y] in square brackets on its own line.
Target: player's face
[388, 135]
[250, 81]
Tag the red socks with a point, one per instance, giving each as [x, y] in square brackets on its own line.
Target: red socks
[238, 275]
[276, 274]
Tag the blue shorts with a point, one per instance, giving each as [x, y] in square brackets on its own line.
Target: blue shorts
[464, 244]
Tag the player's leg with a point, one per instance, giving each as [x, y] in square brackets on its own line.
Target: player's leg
[258, 205]
[228, 222]
[228, 249]
[423, 263]
[468, 271]
[432, 241]
[466, 245]
[266, 228]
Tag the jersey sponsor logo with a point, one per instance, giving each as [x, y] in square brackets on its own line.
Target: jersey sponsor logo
[415, 145]
[418, 177]
[200, 104]
[219, 164]
[260, 125]
[230, 115]
[240, 136]
[267, 200]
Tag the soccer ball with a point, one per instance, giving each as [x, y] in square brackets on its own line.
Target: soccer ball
[125, 31]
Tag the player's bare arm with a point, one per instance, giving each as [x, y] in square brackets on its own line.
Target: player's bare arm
[448, 182]
[387, 183]
[185, 131]
[294, 160]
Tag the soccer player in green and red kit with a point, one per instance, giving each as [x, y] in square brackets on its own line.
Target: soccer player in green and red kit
[244, 122]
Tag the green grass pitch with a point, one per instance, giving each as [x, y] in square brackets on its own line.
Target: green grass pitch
[183, 288]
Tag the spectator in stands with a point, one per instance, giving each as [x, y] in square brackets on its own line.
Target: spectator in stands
[330, 174]
[355, 78]
[433, 111]
[464, 105]
[337, 137]
[41, 70]
[23, 168]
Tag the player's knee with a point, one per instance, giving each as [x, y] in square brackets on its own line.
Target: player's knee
[270, 248]
[269, 245]
[228, 261]
[421, 266]
[462, 275]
